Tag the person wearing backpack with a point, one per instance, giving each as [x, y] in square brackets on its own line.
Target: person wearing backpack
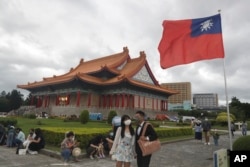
[206, 126]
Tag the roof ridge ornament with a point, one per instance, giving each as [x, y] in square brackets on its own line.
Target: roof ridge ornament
[125, 49]
[142, 54]
[81, 61]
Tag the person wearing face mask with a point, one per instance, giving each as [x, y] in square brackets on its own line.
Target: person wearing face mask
[67, 146]
[123, 146]
[150, 135]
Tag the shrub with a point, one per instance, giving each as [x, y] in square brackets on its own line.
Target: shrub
[111, 115]
[30, 116]
[84, 117]
[222, 118]
[8, 121]
[71, 118]
[242, 144]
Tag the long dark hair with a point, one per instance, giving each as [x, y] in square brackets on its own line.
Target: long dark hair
[131, 129]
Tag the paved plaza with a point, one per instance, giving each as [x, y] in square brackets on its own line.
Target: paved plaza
[185, 153]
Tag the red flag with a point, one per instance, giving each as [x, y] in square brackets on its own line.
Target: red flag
[187, 41]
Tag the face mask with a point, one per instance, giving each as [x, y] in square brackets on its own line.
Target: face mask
[127, 122]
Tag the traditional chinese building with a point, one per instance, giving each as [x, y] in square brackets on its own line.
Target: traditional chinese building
[116, 82]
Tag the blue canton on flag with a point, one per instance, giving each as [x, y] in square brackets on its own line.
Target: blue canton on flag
[207, 25]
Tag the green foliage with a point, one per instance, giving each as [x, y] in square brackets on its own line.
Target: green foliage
[84, 135]
[8, 121]
[173, 132]
[181, 123]
[111, 115]
[71, 118]
[240, 110]
[30, 116]
[223, 120]
[242, 144]
[84, 117]
[10, 101]
[4, 104]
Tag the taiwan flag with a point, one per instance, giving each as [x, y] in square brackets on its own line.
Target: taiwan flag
[187, 41]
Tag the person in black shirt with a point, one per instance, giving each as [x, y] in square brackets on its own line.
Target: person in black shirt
[37, 143]
[94, 146]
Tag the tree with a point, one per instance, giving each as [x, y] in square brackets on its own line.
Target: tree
[15, 99]
[3, 94]
[111, 115]
[235, 102]
[4, 105]
[29, 99]
[240, 110]
[84, 117]
[223, 119]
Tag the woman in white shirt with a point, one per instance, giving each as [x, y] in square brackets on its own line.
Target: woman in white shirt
[123, 146]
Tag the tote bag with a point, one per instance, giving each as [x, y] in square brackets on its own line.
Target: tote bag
[148, 147]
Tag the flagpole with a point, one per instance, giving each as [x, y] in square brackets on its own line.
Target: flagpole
[228, 114]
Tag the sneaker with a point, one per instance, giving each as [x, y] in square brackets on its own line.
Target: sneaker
[208, 143]
[32, 152]
[91, 157]
[103, 156]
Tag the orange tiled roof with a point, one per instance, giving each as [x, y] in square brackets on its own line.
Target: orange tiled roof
[109, 63]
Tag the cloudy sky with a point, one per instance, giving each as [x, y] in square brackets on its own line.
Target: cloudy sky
[42, 38]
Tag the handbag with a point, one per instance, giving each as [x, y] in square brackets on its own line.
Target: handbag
[22, 151]
[148, 147]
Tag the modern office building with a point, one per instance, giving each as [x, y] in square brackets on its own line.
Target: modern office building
[205, 100]
[184, 89]
[183, 99]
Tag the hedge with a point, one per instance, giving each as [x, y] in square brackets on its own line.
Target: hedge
[8, 121]
[242, 144]
[54, 136]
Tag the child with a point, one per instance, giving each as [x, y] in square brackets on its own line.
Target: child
[216, 137]
[100, 151]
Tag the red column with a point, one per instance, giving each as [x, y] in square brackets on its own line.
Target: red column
[78, 97]
[123, 100]
[89, 99]
[68, 99]
[104, 101]
[45, 101]
[110, 100]
[166, 105]
[139, 101]
[128, 100]
[116, 100]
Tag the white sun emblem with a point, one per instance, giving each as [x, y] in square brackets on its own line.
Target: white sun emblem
[206, 25]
